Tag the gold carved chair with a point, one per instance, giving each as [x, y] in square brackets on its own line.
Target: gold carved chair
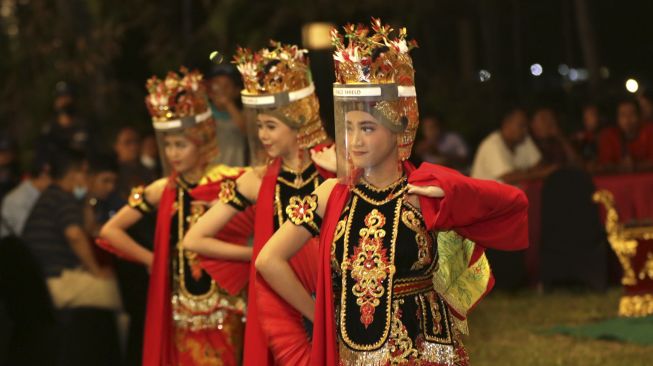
[634, 248]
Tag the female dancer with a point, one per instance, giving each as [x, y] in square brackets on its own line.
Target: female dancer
[283, 117]
[190, 319]
[398, 267]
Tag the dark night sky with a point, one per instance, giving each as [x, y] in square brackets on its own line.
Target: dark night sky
[506, 37]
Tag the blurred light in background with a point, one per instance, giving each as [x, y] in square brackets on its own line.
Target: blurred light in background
[6, 8]
[563, 69]
[216, 57]
[573, 75]
[484, 75]
[8, 19]
[317, 36]
[577, 75]
[536, 69]
[632, 85]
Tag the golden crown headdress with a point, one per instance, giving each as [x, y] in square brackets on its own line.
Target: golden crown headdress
[177, 101]
[278, 78]
[373, 66]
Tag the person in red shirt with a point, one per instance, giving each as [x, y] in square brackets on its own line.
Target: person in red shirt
[629, 145]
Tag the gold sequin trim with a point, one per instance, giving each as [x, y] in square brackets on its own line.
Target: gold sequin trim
[346, 264]
[201, 353]
[438, 312]
[401, 346]
[384, 189]
[185, 254]
[429, 353]
[435, 312]
[278, 203]
[340, 231]
[302, 210]
[228, 192]
[370, 266]
[204, 311]
[423, 240]
[137, 199]
[647, 268]
[442, 354]
[300, 184]
[277, 194]
[390, 189]
[209, 313]
[409, 286]
[425, 352]
[636, 305]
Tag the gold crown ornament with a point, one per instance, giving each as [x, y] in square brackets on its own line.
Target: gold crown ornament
[278, 79]
[179, 104]
[374, 67]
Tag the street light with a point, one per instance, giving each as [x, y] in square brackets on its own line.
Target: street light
[484, 75]
[317, 36]
[536, 69]
[632, 85]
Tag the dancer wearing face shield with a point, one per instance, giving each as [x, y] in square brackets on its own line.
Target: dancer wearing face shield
[192, 319]
[285, 136]
[401, 249]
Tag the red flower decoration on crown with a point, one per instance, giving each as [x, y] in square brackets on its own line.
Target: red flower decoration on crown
[279, 68]
[372, 55]
[283, 68]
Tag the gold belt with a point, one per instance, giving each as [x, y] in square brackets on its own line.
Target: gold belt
[412, 286]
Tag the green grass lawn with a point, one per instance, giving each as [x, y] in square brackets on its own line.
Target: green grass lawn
[506, 330]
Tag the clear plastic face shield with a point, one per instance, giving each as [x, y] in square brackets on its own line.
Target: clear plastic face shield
[374, 126]
[261, 109]
[183, 127]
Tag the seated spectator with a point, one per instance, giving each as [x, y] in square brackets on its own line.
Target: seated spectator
[150, 155]
[223, 84]
[586, 140]
[439, 146]
[18, 203]
[509, 155]
[54, 232]
[552, 143]
[628, 146]
[132, 172]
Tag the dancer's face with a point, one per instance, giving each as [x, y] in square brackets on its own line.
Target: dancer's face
[369, 142]
[181, 153]
[276, 137]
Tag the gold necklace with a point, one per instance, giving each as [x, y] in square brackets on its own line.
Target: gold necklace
[396, 188]
[299, 179]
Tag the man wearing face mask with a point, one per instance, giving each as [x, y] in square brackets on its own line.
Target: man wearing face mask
[54, 232]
